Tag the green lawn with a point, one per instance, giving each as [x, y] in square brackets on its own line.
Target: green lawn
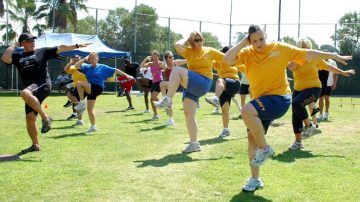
[132, 158]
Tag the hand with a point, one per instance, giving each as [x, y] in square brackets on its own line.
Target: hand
[84, 45]
[349, 72]
[342, 59]
[333, 87]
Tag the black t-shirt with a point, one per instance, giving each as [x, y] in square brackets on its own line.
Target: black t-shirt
[323, 76]
[32, 66]
[131, 69]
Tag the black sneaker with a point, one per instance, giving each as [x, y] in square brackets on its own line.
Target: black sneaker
[46, 125]
[72, 116]
[68, 104]
[315, 111]
[32, 148]
[130, 108]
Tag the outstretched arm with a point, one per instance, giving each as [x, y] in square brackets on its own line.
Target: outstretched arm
[336, 70]
[180, 62]
[119, 72]
[231, 56]
[65, 48]
[320, 55]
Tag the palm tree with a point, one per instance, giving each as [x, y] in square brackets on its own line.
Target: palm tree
[75, 6]
[24, 12]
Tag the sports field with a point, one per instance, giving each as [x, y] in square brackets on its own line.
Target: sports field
[131, 158]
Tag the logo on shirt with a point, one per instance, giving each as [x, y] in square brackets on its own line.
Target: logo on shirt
[274, 54]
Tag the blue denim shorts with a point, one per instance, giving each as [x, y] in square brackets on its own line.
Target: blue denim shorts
[198, 85]
[271, 107]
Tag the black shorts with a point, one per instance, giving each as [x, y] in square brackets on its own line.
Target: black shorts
[244, 89]
[231, 88]
[156, 87]
[150, 83]
[326, 91]
[40, 91]
[96, 90]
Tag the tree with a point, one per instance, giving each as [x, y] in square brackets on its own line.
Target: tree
[289, 40]
[348, 34]
[86, 25]
[75, 6]
[211, 40]
[24, 12]
[240, 36]
[330, 48]
[2, 9]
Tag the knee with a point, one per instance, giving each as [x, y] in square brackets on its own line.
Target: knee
[247, 110]
[25, 93]
[30, 117]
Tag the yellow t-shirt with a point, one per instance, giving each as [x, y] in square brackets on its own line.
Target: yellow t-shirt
[306, 75]
[266, 72]
[226, 71]
[76, 75]
[201, 61]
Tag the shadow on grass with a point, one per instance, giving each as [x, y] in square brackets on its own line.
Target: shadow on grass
[290, 156]
[153, 128]
[63, 127]
[143, 121]
[16, 158]
[215, 140]
[69, 135]
[137, 114]
[276, 124]
[248, 196]
[172, 158]
[109, 112]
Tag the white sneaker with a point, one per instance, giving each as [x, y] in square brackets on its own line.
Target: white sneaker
[147, 111]
[296, 146]
[155, 117]
[253, 184]
[224, 133]
[170, 122]
[165, 103]
[79, 123]
[192, 147]
[320, 117]
[80, 106]
[261, 155]
[91, 129]
[308, 131]
[325, 116]
[213, 101]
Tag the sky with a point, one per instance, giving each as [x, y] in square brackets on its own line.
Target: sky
[320, 15]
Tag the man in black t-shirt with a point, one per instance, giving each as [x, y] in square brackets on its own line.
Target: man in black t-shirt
[33, 71]
[130, 69]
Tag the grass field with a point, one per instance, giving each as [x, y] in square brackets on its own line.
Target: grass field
[132, 158]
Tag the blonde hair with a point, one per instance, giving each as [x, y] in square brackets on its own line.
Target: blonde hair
[304, 43]
[192, 37]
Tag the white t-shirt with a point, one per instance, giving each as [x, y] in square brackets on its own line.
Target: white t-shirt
[330, 80]
[146, 72]
[244, 79]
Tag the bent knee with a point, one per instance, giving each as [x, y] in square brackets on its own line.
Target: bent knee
[248, 110]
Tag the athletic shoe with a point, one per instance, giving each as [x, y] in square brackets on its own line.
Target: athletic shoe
[296, 146]
[216, 112]
[46, 125]
[80, 106]
[253, 184]
[130, 108]
[315, 111]
[68, 104]
[165, 103]
[91, 129]
[32, 148]
[155, 117]
[320, 117]
[224, 133]
[147, 111]
[79, 123]
[261, 155]
[213, 101]
[170, 122]
[192, 147]
[72, 116]
[325, 116]
[308, 131]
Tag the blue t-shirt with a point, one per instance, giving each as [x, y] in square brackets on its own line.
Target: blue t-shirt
[97, 75]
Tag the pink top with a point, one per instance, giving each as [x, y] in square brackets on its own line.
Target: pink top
[156, 73]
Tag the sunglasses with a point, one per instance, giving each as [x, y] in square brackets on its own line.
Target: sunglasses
[197, 40]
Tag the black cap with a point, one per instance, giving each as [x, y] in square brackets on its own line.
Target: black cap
[26, 37]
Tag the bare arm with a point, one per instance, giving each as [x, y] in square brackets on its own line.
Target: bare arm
[67, 67]
[119, 72]
[7, 56]
[79, 63]
[292, 66]
[320, 55]
[145, 62]
[180, 62]
[66, 48]
[336, 71]
[180, 45]
[231, 56]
